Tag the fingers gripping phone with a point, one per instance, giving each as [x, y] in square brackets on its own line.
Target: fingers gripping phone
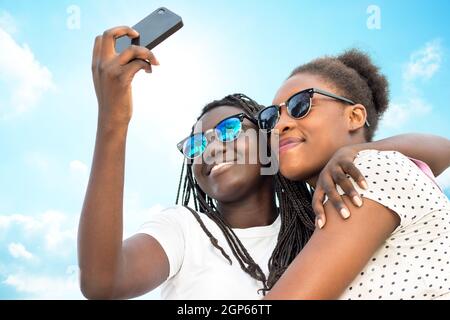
[154, 29]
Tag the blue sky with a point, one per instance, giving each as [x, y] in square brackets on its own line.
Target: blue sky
[48, 106]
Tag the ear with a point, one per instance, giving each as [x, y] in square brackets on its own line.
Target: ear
[356, 116]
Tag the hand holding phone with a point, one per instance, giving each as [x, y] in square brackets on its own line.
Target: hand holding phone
[154, 29]
[113, 72]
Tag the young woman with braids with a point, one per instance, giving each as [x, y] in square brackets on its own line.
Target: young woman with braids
[395, 246]
[217, 250]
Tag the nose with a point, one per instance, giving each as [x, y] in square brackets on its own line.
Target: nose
[285, 123]
[214, 149]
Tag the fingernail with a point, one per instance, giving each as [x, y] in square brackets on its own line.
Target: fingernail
[320, 223]
[345, 213]
[157, 62]
[357, 200]
[364, 185]
[148, 71]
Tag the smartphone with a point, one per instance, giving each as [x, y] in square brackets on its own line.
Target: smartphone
[154, 29]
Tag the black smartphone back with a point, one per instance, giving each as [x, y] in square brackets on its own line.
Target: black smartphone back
[154, 29]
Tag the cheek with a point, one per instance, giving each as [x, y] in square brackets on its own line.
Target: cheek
[247, 149]
[323, 138]
[198, 176]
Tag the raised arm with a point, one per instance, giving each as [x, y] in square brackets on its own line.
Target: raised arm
[433, 150]
[110, 268]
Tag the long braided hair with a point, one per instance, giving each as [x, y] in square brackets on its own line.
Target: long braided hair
[297, 216]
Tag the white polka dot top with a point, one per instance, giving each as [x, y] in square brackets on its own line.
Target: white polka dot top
[414, 262]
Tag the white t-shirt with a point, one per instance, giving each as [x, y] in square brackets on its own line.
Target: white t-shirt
[197, 269]
[414, 263]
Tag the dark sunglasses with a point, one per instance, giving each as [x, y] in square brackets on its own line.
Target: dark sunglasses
[298, 106]
[226, 130]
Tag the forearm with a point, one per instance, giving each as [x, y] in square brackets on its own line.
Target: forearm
[433, 150]
[336, 254]
[101, 223]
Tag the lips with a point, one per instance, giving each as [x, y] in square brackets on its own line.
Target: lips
[288, 143]
[217, 167]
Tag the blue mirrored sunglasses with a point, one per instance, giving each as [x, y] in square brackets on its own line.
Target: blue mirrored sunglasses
[226, 130]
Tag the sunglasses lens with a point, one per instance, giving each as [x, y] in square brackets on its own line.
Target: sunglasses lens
[229, 129]
[298, 105]
[194, 146]
[268, 118]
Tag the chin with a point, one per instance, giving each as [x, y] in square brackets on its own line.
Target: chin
[294, 171]
[237, 183]
[229, 191]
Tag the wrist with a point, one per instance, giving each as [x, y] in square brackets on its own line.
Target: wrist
[106, 124]
[112, 129]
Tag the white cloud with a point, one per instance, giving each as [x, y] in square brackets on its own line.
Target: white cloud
[63, 287]
[27, 222]
[18, 250]
[395, 115]
[399, 114]
[23, 79]
[52, 238]
[57, 230]
[7, 22]
[47, 287]
[424, 63]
